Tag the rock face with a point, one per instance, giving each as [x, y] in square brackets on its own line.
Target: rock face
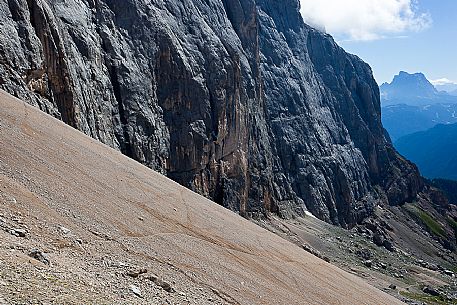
[238, 100]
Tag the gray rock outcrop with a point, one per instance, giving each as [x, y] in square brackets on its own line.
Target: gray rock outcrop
[238, 100]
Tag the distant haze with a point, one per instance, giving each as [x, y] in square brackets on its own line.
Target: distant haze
[444, 84]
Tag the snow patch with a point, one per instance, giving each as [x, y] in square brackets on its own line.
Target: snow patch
[308, 213]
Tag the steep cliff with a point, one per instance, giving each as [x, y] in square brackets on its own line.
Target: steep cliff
[236, 99]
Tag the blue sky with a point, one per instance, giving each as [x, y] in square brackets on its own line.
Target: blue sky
[393, 35]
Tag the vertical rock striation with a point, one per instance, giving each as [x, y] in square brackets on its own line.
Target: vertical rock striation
[238, 100]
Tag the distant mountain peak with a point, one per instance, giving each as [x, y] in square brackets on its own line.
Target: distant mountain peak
[404, 73]
[410, 85]
[416, 77]
[406, 87]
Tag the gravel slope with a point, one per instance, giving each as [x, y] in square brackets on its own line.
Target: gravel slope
[100, 218]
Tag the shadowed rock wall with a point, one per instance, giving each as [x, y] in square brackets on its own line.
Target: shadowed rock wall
[238, 100]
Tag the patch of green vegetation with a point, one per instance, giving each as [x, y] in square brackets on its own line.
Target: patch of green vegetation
[425, 298]
[432, 225]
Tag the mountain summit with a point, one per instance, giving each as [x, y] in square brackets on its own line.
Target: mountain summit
[408, 86]
[413, 90]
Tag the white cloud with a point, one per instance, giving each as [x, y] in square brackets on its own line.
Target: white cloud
[442, 82]
[365, 19]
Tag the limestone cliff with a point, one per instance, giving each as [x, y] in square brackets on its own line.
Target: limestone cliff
[238, 100]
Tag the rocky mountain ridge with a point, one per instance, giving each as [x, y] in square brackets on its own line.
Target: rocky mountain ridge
[406, 86]
[413, 90]
[242, 102]
[237, 100]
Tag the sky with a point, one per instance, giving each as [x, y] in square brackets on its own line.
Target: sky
[393, 35]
